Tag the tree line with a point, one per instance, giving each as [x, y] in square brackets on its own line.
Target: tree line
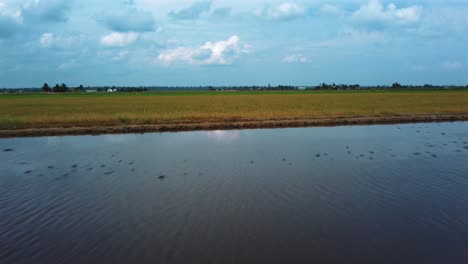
[61, 88]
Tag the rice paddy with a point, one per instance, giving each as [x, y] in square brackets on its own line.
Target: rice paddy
[20, 111]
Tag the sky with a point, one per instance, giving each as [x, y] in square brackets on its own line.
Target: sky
[242, 42]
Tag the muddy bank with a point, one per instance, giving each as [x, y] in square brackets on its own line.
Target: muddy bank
[227, 125]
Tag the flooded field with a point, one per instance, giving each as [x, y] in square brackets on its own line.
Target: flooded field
[382, 194]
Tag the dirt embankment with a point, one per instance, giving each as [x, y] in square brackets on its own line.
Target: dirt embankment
[224, 125]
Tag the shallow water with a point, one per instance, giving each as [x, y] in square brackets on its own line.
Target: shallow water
[381, 194]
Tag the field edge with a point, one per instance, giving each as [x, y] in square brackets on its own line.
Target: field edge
[223, 125]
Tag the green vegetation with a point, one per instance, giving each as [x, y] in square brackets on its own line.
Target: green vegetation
[42, 110]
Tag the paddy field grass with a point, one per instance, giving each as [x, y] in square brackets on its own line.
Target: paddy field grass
[246, 109]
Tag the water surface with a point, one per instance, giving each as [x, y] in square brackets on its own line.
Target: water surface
[380, 194]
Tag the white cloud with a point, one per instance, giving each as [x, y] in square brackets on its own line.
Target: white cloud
[329, 9]
[50, 40]
[295, 58]
[375, 12]
[46, 40]
[284, 11]
[67, 65]
[353, 36]
[11, 12]
[220, 52]
[120, 55]
[451, 65]
[119, 39]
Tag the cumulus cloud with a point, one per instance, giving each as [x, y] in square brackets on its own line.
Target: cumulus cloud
[192, 12]
[220, 52]
[284, 11]
[129, 19]
[46, 40]
[451, 65]
[295, 58]
[119, 39]
[375, 13]
[18, 15]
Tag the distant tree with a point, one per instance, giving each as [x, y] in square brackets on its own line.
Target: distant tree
[62, 88]
[45, 88]
[80, 88]
[56, 88]
[396, 85]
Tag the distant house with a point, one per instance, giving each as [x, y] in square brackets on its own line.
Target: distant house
[111, 90]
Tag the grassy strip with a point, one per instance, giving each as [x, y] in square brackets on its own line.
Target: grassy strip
[101, 109]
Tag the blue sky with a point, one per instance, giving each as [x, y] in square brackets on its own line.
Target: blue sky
[243, 42]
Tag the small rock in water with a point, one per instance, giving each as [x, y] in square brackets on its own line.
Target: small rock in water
[74, 166]
[51, 167]
[185, 173]
[162, 177]
[130, 163]
[103, 166]
[465, 147]
[120, 161]
[252, 162]
[318, 155]
[434, 155]
[416, 153]
[371, 152]
[27, 172]
[443, 134]
[90, 169]
[108, 172]
[290, 164]
[284, 159]
[8, 150]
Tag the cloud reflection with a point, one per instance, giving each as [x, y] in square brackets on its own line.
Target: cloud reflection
[223, 136]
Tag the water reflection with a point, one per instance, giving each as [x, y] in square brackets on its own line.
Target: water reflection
[365, 194]
[223, 136]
